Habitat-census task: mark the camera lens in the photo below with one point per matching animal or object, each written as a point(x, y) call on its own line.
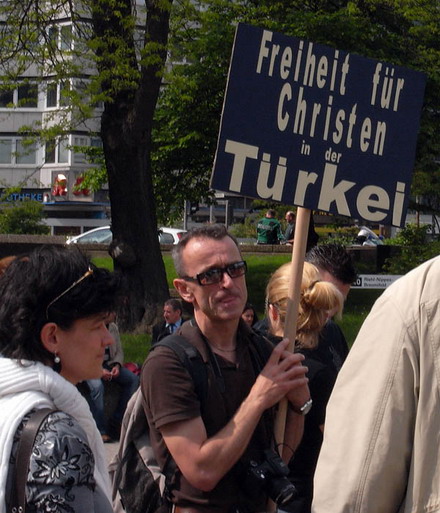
point(281, 490)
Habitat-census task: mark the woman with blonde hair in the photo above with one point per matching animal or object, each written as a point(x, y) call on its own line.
point(319, 301)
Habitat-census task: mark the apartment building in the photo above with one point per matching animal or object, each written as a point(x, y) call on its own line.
point(51, 172)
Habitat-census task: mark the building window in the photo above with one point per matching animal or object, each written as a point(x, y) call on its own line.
point(51, 95)
point(52, 35)
point(63, 151)
point(49, 154)
point(66, 37)
point(64, 93)
point(26, 153)
point(58, 95)
point(96, 142)
point(27, 95)
point(5, 151)
point(78, 156)
point(6, 98)
point(57, 151)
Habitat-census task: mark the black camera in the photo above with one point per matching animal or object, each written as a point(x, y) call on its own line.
point(271, 474)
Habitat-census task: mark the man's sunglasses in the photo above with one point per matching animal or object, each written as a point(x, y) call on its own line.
point(216, 275)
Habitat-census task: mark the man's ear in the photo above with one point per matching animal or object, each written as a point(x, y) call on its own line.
point(48, 336)
point(181, 286)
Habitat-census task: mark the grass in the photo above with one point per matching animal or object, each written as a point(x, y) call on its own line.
point(260, 267)
point(357, 307)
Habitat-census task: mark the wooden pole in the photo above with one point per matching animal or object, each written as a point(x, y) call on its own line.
point(294, 292)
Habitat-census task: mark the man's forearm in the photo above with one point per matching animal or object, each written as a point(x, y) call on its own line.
point(205, 461)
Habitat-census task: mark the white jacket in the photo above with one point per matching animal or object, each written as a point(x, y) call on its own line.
point(381, 450)
point(34, 385)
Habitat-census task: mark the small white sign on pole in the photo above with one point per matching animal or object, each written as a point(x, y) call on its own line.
point(374, 281)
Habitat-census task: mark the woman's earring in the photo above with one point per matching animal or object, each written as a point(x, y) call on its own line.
point(56, 363)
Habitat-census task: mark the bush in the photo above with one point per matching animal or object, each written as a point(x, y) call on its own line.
point(415, 249)
point(23, 218)
point(247, 229)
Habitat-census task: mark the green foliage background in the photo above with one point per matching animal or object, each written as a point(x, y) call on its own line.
point(405, 32)
point(22, 218)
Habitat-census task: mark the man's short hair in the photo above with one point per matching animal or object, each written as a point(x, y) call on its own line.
point(175, 304)
point(290, 213)
point(271, 213)
point(207, 231)
point(334, 259)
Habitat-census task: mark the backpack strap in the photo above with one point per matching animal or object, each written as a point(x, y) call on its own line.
point(22, 460)
point(260, 351)
point(192, 360)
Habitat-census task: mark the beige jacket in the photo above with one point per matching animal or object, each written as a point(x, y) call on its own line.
point(381, 450)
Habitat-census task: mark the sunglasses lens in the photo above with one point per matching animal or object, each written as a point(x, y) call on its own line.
point(210, 277)
point(236, 270)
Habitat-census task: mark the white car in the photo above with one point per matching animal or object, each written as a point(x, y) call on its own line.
point(103, 235)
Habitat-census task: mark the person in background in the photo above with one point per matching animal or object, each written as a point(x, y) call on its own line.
point(249, 314)
point(289, 233)
point(269, 229)
point(380, 452)
point(211, 447)
point(317, 298)
point(112, 370)
point(5, 261)
point(172, 314)
point(54, 312)
point(335, 266)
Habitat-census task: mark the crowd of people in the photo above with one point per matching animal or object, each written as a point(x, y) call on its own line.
point(360, 427)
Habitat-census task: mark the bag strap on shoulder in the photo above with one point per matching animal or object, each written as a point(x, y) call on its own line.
point(22, 462)
point(192, 360)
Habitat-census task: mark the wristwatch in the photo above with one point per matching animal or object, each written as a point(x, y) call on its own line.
point(304, 409)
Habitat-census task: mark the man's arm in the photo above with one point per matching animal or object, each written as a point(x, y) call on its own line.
point(280, 234)
point(204, 461)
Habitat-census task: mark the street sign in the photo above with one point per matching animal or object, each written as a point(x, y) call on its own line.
point(316, 127)
point(374, 281)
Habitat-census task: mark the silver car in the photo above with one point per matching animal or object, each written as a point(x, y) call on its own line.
point(103, 235)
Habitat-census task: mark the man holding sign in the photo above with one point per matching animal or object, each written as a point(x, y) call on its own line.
point(322, 129)
point(222, 443)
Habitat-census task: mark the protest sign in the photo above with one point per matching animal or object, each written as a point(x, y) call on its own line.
point(308, 125)
point(316, 127)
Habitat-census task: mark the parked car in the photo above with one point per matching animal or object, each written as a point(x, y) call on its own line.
point(103, 235)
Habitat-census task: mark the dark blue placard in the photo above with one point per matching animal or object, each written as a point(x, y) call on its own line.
point(312, 126)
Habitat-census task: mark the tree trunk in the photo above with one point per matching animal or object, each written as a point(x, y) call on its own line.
point(126, 134)
point(134, 228)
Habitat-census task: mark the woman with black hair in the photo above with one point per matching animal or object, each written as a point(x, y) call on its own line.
point(54, 311)
point(249, 315)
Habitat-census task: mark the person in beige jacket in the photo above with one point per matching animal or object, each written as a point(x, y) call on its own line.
point(381, 449)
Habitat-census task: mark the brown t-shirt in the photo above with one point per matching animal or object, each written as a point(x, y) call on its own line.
point(169, 396)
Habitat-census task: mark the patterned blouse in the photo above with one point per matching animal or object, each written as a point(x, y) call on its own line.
point(60, 478)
